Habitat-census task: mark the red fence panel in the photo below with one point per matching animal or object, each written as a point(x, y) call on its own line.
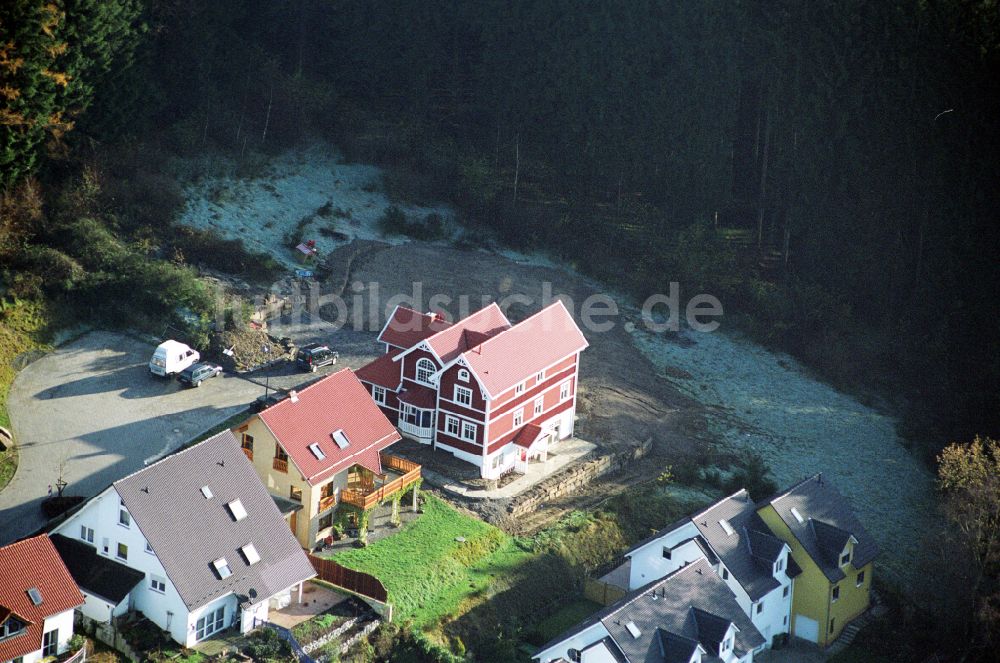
point(349, 579)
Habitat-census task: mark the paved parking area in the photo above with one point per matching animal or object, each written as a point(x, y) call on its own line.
point(92, 407)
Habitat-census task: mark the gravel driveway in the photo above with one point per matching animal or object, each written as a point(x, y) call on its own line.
point(93, 406)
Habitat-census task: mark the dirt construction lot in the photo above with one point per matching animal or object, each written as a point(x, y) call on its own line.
point(93, 407)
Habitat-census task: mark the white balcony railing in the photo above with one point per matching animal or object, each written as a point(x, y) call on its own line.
point(421, 433)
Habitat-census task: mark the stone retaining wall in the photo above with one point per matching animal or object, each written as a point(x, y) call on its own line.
point(573, 478)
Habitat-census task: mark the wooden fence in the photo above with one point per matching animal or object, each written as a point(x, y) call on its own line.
point(349, 579)
point(410, 472)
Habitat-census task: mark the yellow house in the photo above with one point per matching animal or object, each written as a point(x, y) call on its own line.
point(833, 550)
point(321, 447)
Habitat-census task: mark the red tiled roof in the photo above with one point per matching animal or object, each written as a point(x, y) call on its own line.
point(407, 327)
point(424, 398)
point(383, 371)
point(337, 402)
point(468, 333)
point(528, 347)
point(370, 460)
point(33, 563)
point(527, 435)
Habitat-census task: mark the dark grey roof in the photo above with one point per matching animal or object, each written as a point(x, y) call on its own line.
point(95, 574)
point(693, 585)
point(830, 540)
point(188, 532)
point(817, 499)
point(736, 549)
point(793, 570)
point(675, 648)
point(710, 629)
point(285, 505)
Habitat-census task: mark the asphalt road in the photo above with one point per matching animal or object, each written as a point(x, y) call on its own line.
point(93, 407)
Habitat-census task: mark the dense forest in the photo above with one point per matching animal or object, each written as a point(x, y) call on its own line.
point(827, 169)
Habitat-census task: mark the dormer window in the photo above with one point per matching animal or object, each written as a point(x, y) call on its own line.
point(726, 645)
point(845, 558)
point(463, 375)
point(425, 369)
point(11, 627)
point(779, 565)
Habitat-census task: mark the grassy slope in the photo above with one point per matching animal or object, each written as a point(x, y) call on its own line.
point(427, 572)
point(22, 328)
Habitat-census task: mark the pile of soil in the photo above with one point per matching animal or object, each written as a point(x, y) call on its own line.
point(248, 349)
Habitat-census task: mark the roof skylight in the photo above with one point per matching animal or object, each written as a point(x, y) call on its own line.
point(340, 438)
point(237, 510)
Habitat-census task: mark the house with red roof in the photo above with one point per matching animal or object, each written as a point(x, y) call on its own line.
point(494, 394)
point(322, 446)
point(37, 599)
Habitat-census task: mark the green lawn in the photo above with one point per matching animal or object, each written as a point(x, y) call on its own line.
point(429, 574)
point(22, 327)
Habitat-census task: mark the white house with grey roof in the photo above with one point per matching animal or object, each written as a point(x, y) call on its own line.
point(689, 616)
point(737, 545)
point(208, 540)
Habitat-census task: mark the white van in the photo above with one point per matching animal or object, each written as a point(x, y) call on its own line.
point(171, 357)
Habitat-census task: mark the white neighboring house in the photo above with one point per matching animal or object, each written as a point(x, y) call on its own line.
point(689, 616)
point(735, 541)
point(205, 544)
point(37, 599)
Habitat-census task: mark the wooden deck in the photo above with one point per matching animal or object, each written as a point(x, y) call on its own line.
point(408, 472)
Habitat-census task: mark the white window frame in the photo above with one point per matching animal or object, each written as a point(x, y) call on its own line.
point(564, 391)
point(463, 375)
point(518, 417)
point(540, 376)
point(421, 367)
point(468, 426)
point(448, 422)
point(158, 584)
point(463, 396)
point(519, 388)
point(539, 405)
point(124, 519)
point(118, 551)
point(378, 394)
point(210, 623)
point(87, 533)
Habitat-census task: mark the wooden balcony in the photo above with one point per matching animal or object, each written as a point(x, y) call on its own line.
point(248, 452)
point(280, 465)
point(399, 475)
point(327, 502)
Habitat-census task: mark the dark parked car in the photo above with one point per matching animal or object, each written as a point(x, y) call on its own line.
point(312, 357)
point(193, 376)
point(263, 402)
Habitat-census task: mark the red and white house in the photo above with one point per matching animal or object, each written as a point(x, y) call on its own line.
point(494, 394)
